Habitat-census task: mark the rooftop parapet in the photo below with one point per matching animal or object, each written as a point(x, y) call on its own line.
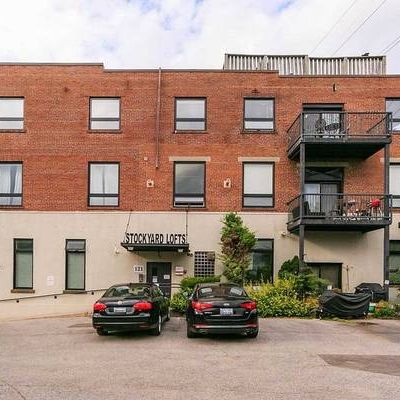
point(305, 65)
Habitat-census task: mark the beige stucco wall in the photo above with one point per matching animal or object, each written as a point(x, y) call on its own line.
point(108, 263)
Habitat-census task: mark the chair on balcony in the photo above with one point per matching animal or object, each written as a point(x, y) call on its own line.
point(375, 210)
point(329, 127)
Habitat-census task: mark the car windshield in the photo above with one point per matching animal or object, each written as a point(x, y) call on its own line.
point(220, 291)
point(126, 291)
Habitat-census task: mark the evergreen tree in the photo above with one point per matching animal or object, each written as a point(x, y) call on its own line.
point(237, 242)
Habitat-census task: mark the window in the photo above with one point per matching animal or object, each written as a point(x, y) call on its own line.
point(11, 113)
point(104, 113)
point(104, 184)
point(23, 263)
point(394, 262)
point(10, 184)
point(75, 264)
point(262, 261)
point(394, 183)
point(204, 263)
point(331, 272)
point(258, 114)
point(393, 106)
point(258, 184)
point(190, 114)
point(189, 183)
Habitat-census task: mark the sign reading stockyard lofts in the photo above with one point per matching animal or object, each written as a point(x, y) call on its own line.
point(140, 241)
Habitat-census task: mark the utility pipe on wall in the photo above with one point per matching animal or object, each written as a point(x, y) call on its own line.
point(158, 119)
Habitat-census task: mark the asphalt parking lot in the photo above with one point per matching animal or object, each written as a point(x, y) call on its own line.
point(63, 358)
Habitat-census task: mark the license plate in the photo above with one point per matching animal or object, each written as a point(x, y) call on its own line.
point(120, 309)
point(226, 311)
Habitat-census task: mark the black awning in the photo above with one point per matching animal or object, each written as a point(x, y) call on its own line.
point(135, 247)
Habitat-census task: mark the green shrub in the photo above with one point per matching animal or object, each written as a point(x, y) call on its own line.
point(305, 281)
point(385, 310)
point(290, 267)
point(190, 282)
point(179, 299)
point(281, 299)
point(394, 278)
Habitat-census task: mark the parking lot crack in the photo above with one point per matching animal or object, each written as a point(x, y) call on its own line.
point(13, 388)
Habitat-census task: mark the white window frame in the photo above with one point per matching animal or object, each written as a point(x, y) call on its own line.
point(105, 119)
point(253, 195)
point(4, 118)
point(103, 195)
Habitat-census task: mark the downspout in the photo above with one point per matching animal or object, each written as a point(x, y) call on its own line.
point(158, 119)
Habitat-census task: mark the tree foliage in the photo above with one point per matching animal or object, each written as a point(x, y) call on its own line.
point(237, 242)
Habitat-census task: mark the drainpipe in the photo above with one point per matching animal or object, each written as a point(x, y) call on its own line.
point(158, 119)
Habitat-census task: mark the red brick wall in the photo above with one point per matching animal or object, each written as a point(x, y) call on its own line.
point(57, 146)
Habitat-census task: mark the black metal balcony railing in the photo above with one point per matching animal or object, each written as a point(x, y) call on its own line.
point(340, 208)
point(338, 127)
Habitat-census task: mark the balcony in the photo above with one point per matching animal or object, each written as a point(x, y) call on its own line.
point(333, 134)
point(339, 212)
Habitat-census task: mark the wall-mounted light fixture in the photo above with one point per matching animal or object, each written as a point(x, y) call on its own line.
point(227, 183)
point(149, 183)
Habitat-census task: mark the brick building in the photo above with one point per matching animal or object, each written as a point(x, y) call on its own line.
point(124, 175)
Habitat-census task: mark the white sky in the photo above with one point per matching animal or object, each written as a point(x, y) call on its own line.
point(190, 33)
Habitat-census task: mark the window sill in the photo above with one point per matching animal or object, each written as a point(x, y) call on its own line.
point(190, 132)
point(258, 209)
point(259, 131)
point(12, 130)
point(74, 291)
point(103, 207)
point(105, 131)
point(183, 208)
point(4, 207)
point(22, 291)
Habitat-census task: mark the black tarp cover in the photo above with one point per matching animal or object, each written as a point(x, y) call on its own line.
point(375, 289)
point(344, 304)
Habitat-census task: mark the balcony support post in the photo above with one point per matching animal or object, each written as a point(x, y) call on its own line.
point(386, 214)
point(302, 182)
point(301, 244)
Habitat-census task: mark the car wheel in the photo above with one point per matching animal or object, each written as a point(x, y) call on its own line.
point(253, 335)
point(168, 317)
point(157, 330)
point(101, 332)
point(189, 333)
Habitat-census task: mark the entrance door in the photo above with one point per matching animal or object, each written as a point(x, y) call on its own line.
point(160, 273)
point(322, 184)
